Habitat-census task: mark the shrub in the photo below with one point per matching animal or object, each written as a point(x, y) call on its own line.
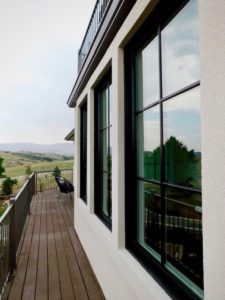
point(56, 172)
point(28, 170)
point(8, 184)
point(2, 170)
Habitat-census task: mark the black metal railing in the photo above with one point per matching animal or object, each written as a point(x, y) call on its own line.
point(11, 227)
point(13, 219)
point(97, 17)
point(45, 180)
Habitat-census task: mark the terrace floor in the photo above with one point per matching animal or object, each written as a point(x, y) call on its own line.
point(52, 263)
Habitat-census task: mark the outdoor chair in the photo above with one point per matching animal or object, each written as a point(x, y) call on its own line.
point(65, 186)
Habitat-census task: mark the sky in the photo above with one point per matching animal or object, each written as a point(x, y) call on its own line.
point(38, 67)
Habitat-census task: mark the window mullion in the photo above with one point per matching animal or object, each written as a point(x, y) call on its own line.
point(162, 152)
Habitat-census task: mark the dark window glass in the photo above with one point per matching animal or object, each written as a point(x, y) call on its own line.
point(148, 144)
point(183, 224)
point(104, 116)
point(103, 198)
point(83, 154)
point(165, 142)
point(149, 216)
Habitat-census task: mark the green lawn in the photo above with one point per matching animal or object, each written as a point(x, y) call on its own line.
point(38, 166)
point(15, 164)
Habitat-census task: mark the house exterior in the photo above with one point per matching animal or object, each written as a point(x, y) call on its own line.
point(149, 154)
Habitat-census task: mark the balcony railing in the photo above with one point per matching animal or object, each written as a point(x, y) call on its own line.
point(45, 180)
point(11, 228)
point(97, 17)
point(13, 220)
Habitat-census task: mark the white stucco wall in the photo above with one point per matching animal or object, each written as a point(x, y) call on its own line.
point(212, 55)
point(120, 275)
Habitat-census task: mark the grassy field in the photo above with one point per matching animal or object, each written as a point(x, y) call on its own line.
point(38, 166)
point(15, 164)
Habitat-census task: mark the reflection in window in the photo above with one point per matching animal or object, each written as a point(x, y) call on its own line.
point(148, 135)
point(149, 216)
point(83, 154)
point(183, 221)
point(168, 148)
point(180, 50)
point(103, 201)
point(182, 139)
point(147, 66)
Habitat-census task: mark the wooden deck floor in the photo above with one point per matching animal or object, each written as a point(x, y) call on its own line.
point(52, 263)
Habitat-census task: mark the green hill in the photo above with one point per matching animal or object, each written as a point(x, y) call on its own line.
point(15, 163)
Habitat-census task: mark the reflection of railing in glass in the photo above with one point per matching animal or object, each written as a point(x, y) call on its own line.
point(183, 236)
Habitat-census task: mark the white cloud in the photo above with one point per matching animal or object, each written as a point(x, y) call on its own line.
point(188, 101)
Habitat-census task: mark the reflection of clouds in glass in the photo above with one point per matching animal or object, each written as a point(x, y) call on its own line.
point(151, 135)
point(189, 101)
point(150, 69)
point(182, 119)
point(180, 50)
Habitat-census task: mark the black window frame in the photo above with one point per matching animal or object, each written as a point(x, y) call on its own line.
point(159, 18)
point(104, 83)
point(83, 150)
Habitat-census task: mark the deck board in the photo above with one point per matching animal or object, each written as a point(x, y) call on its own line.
point(52, 263)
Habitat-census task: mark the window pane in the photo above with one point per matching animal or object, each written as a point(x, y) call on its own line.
point(83, 166)
point(182, 136)
point(104, 109)
point(148, 144)
point(109, 200)
point(147, 75)
point(184, 232)
point(110, 151)
point(103, 145)
point(180, 57)
point(149, 216)
point(104, 149)
point(106, 194)
point(110, 104)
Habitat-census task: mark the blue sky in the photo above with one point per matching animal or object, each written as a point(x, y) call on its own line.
point(38, 67)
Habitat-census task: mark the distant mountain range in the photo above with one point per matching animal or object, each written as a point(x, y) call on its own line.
point(65, 148)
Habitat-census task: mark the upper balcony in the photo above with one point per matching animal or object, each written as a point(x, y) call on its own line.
point(106, 19)
point(99, 12)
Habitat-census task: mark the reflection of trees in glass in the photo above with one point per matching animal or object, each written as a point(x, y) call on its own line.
point(152, 164)
point(183, 166)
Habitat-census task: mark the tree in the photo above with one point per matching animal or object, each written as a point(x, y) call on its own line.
point(2, 170)
point(28, 170)
point(56, 172)
point(8, 184)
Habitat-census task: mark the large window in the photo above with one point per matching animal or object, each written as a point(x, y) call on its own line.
point(164, 220)
point(103, 150)
point(83, 153)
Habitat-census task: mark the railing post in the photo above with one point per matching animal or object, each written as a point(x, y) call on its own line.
point(35, 174)
point(29, 195)
point(12, 239)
